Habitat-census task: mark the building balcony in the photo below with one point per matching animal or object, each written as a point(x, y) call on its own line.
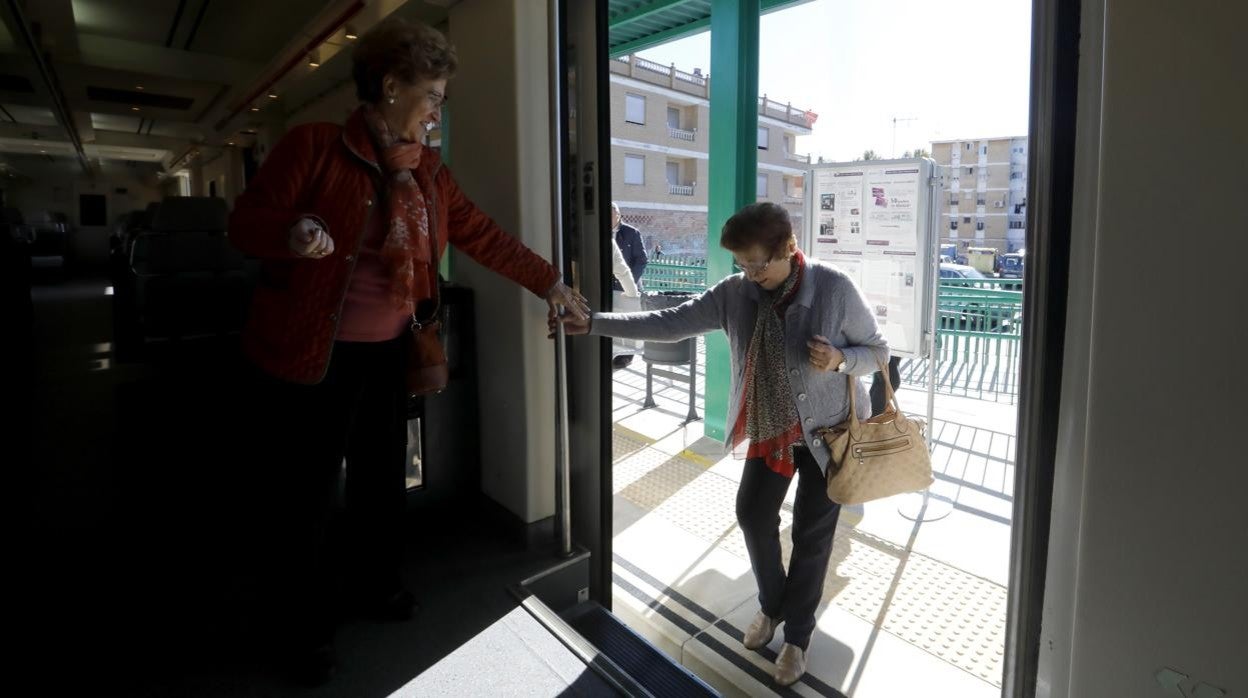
point(699, 85)
point(680, 189)
point(793, 199)
point(802, 118)
point(681, 134)
point(638, 68)
point(795, 157)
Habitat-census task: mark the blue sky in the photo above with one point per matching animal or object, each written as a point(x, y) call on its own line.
point(959, 68)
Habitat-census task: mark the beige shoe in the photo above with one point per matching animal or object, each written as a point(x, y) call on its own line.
point(790, 665)
point(760, 632)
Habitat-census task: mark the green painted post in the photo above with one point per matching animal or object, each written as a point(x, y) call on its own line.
point(447, 266)
point(733, 168)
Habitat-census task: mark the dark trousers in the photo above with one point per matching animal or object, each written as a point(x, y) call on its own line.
point(878, 398)
point(795, 596)
point(303, 433)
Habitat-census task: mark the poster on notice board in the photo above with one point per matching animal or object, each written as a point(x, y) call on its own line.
point(872, 220)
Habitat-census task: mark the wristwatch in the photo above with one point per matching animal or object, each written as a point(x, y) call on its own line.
point(840, 368)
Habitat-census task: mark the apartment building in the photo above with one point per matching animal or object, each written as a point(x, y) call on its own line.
point(984, 194)
point(660, 138)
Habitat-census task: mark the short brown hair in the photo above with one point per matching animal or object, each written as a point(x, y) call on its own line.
point(411, 51)
point(764, 224)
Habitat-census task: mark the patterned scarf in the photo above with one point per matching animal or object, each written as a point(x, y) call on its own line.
point(768, 418)
point(407, 256)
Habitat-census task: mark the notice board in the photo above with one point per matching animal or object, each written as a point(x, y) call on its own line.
point(874, 221)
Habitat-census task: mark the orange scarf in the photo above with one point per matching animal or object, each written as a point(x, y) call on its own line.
point(406, 251)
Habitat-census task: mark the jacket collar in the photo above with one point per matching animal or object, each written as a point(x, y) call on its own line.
point(359, 141)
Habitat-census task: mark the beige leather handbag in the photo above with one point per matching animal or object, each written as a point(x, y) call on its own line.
point(881, 457)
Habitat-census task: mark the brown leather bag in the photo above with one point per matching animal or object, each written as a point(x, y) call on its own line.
point(427, 371)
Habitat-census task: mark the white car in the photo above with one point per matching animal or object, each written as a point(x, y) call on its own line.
point(959, 271)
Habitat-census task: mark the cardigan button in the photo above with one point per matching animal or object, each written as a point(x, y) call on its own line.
point(818, 442)
point(368, 202)
point(810, 420)
point(795, 373)
point(801, 397)
point(333, 317)
point(350, 258)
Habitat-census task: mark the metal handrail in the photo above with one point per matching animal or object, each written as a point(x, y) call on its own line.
point(563, 447)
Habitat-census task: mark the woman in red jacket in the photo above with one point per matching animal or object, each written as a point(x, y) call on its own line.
point(340, 217)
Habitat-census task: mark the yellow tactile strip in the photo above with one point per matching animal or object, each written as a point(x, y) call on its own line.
point(947, 612)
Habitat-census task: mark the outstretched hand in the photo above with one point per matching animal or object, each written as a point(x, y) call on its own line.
point(569, 298)
point(572, 325)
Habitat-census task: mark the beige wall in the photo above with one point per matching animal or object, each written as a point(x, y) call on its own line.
point(999, 177)
point(999, 150)
point(1149, 554)
point(502, 161)
point(654, 131)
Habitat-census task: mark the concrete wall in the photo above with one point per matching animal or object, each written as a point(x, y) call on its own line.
point(1149, 551)
point(502, 161)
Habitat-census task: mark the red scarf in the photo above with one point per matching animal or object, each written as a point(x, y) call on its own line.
point(768, 417)
point(406, 251)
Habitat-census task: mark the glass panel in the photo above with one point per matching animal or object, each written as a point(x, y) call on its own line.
point(634, 169)
point(635, 109)
point(415, 454)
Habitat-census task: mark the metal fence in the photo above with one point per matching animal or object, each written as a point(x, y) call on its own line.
point(979, 325)
point(675, 273)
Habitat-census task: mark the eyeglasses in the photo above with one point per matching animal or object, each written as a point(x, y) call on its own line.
point(436, 99)
point(751, 269)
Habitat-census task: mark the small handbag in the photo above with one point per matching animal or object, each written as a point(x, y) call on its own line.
point(881, 457)
point(427, 370)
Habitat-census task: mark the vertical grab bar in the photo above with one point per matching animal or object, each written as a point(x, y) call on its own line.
point(563, 449)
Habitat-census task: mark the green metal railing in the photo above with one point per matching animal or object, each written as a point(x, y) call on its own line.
point(675, 273)
point(978, 328)
point(979, 325)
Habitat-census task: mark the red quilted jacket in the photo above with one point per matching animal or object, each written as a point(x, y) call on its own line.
point(323, 170)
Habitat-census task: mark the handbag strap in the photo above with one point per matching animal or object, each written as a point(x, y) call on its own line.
point(890, 397)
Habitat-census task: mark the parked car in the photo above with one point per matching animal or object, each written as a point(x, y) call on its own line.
point(1011, 265)
point(970, 313)
point(959, 271)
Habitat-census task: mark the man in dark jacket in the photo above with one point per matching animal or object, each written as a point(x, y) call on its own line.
point(629, 240)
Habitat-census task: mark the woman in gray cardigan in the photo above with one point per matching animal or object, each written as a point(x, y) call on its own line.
point(796, 326)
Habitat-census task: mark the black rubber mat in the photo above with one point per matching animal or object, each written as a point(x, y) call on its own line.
point(642, 661)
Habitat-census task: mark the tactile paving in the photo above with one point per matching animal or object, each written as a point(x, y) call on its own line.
point(947, 612)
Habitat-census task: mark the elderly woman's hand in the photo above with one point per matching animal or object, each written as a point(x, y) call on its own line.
point(824, 356)
point(309, 239)
point(569, 298)
point(572, 325)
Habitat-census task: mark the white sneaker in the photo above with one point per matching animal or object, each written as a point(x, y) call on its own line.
point(760, 632)
point(790, 665)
